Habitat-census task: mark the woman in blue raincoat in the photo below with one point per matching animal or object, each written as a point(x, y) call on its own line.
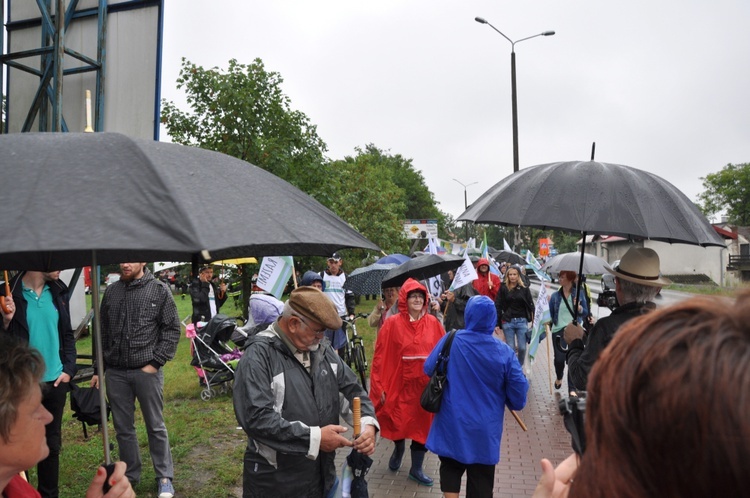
point(484, 376)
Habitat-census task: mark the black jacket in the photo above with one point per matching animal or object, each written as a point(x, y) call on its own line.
point(199, 294)
point(454, 312)
point(19, 327)
point(581, 358)
point(516, 303)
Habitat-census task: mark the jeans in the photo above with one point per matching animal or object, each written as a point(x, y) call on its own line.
point(48, 469)
point(123, 388)
point(515, 332)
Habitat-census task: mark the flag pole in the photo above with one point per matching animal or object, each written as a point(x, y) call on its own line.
point(549, 354)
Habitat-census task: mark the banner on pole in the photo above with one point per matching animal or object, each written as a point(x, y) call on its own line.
point(274, 274)
point(541, 316)
point(465, 274)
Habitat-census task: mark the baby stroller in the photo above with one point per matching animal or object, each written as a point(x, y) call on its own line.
point(212, 357)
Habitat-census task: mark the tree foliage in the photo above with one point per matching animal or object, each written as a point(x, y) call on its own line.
point(243, 112)
point(728, 189)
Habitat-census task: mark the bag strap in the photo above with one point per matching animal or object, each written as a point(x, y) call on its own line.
point(445, 353)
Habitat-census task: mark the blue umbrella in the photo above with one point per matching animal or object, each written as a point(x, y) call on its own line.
point(393, 259)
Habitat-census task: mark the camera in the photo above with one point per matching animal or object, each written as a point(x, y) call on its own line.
point(573, 410)
point(607, 298)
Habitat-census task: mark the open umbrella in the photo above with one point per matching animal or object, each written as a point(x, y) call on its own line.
point(594, 198)
point(509, 257)
point(81, 199)
point(393, 258)
point(571, 261)
point(420, 268)
point(365, 281)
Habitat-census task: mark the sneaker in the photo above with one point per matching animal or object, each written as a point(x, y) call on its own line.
point(166, 490)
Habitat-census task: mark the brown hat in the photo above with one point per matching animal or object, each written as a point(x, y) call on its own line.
point(640, 265)
point(311, 303)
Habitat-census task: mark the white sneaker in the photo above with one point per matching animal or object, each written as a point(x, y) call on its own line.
point(166, 490)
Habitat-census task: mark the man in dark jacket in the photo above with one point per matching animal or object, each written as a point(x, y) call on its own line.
point(637, 281)
point(206, 295)
point(286, 398)
point(40, 316)
point(140, 332)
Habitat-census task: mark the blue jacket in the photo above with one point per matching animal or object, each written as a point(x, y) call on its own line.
point(555, 301)
point(483, 377)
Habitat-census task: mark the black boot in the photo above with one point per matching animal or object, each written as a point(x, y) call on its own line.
point(416, 473)
point(398, 454)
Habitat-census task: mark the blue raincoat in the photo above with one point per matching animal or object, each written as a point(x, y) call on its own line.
point(483, 377)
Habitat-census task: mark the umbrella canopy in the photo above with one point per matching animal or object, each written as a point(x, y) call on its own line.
point(510, 257)
point(236, 261)
point(420, 268)
point(366, 280)
point(570, 261)
point(595, 198)
point(140, 200)
point(393, 258)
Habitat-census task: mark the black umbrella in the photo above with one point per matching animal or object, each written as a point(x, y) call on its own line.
point(509, 257)
point(420, 268)
point(366, 280)
point(140, 200)
point(596, 198)
point(78, 199)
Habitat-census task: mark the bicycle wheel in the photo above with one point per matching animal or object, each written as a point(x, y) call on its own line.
point(360, 364)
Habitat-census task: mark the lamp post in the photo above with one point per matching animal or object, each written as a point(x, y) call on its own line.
point(513, 96)
point(466, 205)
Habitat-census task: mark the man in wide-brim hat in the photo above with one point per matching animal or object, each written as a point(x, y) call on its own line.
point(637, 281)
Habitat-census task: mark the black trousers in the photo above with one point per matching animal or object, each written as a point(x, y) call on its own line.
point(48, 470)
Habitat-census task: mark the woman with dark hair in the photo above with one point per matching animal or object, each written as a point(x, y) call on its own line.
point(404, 342)
point(561, 312)
point(515, 310)
point(668, 410)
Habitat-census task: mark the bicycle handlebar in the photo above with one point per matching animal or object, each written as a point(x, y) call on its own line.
point(359, 315)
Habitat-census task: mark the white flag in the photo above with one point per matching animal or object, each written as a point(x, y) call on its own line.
point(434, 284)
point(506, 247)
point(541, 316)
point(274, 274)
point(465, 274)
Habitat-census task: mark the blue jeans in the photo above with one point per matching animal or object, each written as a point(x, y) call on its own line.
point(515, 336)
point(123, 388)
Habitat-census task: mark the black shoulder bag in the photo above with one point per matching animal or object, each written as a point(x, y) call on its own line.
point(432, 396)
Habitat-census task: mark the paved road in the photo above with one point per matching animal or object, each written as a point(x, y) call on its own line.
point(517, 473)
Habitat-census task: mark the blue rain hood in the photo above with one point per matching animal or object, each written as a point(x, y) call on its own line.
point(480, 315)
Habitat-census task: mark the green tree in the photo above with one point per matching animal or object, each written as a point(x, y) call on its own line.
point(243, 112)
point(729, 190)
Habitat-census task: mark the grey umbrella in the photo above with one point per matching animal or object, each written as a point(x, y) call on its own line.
point(140, 200)
point(77, 199)
point(420, 268)
point(509, 257)
point(571, 261)
point(366, 280)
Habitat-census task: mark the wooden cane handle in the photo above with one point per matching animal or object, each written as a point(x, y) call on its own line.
point(3, 306)
point(357, 417)
point(7, 293)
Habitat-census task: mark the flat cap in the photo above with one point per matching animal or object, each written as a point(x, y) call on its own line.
point(311, 303)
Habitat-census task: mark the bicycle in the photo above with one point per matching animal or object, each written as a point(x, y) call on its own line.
point(353, 353)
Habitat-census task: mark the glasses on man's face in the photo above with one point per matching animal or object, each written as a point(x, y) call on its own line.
point(316, 332)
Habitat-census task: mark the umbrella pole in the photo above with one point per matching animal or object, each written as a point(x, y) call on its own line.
point(548, 330)
point(518, 419)
point(356, 417)
point(576, 298)
point(99, 352)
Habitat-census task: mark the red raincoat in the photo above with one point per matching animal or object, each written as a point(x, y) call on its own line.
point(486, 284)
point(397, 370)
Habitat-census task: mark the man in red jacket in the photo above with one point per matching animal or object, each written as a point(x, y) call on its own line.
point(487, 283)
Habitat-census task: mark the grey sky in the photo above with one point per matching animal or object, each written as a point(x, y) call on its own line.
point(660, 86)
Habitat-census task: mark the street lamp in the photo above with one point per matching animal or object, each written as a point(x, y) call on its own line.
point(513, 82)
point(466, 205)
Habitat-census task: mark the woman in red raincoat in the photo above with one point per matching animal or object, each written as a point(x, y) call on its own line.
point(404, 342)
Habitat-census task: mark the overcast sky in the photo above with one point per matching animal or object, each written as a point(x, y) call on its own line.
point(658, 85)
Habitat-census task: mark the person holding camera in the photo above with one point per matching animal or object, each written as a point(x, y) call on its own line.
point(207, 296)
point(637, 281)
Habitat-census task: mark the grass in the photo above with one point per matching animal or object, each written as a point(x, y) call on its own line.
point(207, 448)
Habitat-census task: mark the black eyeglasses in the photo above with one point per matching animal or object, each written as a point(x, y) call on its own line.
point(316, 332)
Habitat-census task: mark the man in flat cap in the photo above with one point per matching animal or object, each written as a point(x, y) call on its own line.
point(286, 398)
point(637, 281)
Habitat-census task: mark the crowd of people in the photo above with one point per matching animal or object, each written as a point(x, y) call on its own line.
point(292, 386)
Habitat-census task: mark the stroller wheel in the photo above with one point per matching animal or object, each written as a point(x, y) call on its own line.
point(206, 394)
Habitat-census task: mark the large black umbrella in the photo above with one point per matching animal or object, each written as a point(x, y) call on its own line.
point(139, 200)
point(365, 281)
point(84, 199)
point(596, 198)
point(420, 268)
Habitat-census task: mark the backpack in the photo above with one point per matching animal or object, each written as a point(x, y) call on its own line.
point(85, 403)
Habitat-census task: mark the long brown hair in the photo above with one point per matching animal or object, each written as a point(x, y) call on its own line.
point(668, 410)
point(519, 282)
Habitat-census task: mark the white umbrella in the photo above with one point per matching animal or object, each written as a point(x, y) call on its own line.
point(571, 261)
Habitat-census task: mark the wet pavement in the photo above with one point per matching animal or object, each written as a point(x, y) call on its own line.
point(517, 473)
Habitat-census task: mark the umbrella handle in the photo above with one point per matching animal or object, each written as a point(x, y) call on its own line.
point(7, 293)
point(356, 416)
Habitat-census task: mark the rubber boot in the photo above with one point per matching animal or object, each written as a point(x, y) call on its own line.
point(398, 454)
point(416, 473)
